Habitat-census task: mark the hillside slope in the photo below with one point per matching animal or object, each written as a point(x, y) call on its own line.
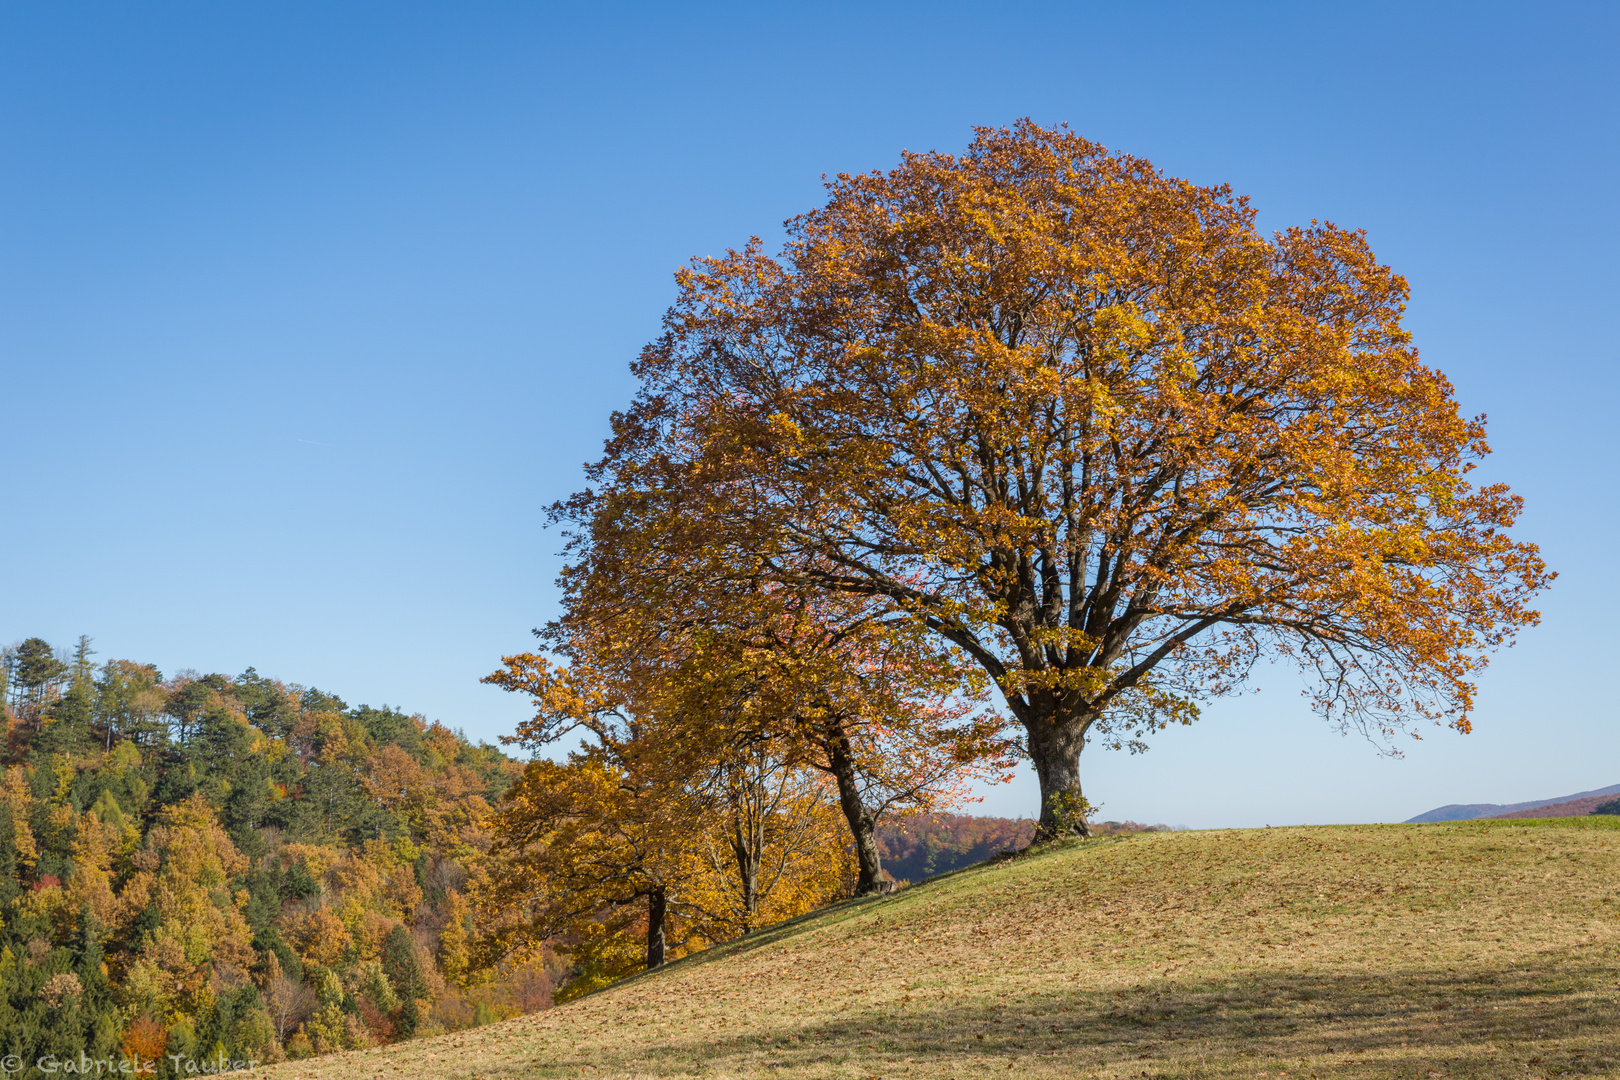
point(1469, 949)
point(1568, 808)
point(1470, 811)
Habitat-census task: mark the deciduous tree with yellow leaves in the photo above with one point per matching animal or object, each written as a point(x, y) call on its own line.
point(1088, 425)
point(717, 676)
point(641, 832)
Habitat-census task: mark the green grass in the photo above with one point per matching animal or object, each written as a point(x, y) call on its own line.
point(1472, 949)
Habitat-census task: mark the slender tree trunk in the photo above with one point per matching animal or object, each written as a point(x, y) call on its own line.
point(747, 841)
point(1055, 743)
point(748, 871)
point(657, 908)
point(862, 822)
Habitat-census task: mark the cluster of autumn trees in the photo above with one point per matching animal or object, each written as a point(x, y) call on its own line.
point(1033, 427)
point(732, 755)
point(234, 868)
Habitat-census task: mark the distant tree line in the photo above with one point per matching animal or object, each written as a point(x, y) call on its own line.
point(916, 847)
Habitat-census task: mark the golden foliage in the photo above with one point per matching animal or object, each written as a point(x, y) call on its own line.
point(621, 860)
point(1089, 426)
point(323, 939)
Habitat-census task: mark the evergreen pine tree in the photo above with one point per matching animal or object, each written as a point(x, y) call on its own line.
point(405, 974)
point(83, 673)
point(36, 677)
point(66, 727)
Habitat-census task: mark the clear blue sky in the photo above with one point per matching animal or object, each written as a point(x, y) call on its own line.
point(307, 311)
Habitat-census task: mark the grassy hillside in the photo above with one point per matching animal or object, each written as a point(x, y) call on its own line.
point(1456, 950)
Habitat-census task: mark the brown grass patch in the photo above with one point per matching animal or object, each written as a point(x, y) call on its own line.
point(1465, 949)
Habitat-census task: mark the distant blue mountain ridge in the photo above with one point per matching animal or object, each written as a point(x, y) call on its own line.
point(1469, 811)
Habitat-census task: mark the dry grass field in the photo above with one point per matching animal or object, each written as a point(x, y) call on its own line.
point(1470, 949)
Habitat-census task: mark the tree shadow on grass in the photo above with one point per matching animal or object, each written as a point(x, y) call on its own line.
point(1553, 1019)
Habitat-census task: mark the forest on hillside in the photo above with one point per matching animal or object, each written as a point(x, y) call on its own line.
point(235, 868)
point(206, 868)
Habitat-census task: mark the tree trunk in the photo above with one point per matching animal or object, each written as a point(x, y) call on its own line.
point(747, 800)
point(748, 857)
point(657, 908)
point(862, 822)
point(1054, 747)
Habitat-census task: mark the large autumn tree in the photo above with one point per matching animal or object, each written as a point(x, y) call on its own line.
point(1089, 425)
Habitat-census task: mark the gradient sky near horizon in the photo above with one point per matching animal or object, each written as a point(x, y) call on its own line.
point(307, 311)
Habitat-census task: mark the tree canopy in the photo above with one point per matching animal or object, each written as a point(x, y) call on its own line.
point(1089, 426)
